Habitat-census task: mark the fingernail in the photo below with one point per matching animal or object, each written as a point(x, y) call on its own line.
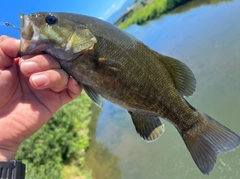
point(29, 67)
point(40, 80)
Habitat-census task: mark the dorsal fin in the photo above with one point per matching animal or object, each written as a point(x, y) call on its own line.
point(183, 77)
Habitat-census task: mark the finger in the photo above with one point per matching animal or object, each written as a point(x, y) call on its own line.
point(73, 91)
point(9, 48)
point(56, 80)
point(74, 88)
point(33, 64)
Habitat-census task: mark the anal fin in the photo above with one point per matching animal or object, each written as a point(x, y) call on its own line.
point(148, 126)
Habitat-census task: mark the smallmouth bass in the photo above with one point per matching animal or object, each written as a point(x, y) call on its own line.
point(116, 66)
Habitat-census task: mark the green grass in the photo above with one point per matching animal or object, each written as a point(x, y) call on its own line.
point(145, 13)
point(150, 11)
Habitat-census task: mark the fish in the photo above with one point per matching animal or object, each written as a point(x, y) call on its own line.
point(112, 64)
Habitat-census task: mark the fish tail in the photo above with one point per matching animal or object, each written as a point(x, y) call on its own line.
point(207, 140)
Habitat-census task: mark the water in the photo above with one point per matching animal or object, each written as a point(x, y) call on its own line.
point(207, 39)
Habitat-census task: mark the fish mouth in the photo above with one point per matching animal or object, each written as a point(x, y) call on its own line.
point(29, 33)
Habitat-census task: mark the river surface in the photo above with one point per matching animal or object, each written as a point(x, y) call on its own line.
point(207, 38)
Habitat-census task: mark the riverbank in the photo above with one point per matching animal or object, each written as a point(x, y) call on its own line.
point(145, 10)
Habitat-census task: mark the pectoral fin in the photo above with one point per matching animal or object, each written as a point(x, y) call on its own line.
point(110, 64)
point(97, 98)
point(148, 126)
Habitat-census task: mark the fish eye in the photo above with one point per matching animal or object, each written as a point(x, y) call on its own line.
point(51, 20)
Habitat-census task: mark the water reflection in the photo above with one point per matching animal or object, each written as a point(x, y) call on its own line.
point(207, 40)
point(100, 159)
point(196, 4)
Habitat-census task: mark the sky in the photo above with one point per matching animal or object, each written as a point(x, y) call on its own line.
point(10, 10)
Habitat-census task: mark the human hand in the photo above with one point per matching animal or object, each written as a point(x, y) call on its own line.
point(32, 89)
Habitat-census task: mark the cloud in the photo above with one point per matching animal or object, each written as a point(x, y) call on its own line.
point(112, 8)
point(110, 11)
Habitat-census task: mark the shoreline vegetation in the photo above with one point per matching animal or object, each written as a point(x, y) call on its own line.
point(58, 149)
point(143, 11)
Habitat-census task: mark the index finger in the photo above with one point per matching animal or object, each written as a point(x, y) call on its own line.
point(9, 48)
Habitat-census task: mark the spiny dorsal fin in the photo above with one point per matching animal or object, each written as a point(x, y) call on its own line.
point(148, 126)
point(183, 77)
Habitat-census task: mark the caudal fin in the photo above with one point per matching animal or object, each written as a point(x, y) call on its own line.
point(204, 146)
